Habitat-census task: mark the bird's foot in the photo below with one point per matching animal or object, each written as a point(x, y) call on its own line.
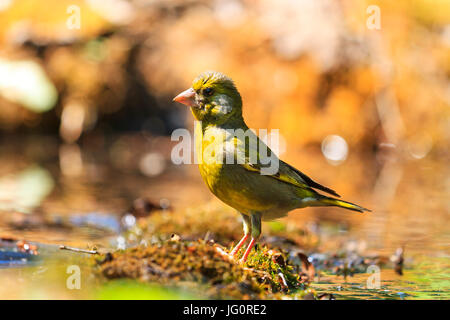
point(233, 253)
point(235, 257)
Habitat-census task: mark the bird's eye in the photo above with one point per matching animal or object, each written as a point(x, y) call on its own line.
point(208, 91)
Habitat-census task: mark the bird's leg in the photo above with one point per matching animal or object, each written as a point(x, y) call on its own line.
point(256, 232)
point(247, 251)
point(247, 227)
point(239, 245)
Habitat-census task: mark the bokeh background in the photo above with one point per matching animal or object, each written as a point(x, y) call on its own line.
point(86, 109)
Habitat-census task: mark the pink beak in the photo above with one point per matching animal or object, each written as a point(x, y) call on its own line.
point(187, 98)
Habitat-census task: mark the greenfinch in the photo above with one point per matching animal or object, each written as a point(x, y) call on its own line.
point(235, 171)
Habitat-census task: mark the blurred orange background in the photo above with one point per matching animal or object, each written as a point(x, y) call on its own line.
point(86, 93)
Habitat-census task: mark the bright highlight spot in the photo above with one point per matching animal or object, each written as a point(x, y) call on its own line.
point(4, 4)
point(115, 11)
point(25, 190)
point(335, 149)
point(152, 164)
point(230, 13)
point(26, 83)
point(420, 145)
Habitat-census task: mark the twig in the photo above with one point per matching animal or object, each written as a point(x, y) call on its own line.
point(223, 253)
point(283, 281)
point(62, 247)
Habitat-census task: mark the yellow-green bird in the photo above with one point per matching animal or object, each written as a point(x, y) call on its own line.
point(235, 170)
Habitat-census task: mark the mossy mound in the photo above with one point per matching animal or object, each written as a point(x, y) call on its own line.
point(203, 267)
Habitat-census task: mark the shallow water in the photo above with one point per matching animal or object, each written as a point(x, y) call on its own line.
point(84, 207)
point(425, 279)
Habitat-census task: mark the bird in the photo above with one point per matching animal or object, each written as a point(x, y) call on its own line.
point(231, 173)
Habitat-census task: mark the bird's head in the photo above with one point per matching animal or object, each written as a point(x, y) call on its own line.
point(213, 98)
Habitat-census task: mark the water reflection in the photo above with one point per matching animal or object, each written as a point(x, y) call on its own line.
point(86, 195)
point(24, 191)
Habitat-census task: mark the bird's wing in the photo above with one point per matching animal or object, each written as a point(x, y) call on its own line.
point(300, 176)
point(249, 157)
point(289, 174)
point(285, 173)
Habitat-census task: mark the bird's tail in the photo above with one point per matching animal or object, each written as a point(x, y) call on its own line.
point(327, 201)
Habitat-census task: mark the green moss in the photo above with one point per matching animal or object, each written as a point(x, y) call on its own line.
point(200, 267)
point(275, 264)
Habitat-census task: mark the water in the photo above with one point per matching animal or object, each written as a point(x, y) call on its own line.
point(426, 278)
point(49, 203)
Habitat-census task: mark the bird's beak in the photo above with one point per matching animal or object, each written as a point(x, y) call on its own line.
point(187, 98)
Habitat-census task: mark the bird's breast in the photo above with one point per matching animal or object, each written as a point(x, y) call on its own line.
point(239, 188)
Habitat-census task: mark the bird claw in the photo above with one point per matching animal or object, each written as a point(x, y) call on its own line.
point(234, 257)
point(230, 256)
